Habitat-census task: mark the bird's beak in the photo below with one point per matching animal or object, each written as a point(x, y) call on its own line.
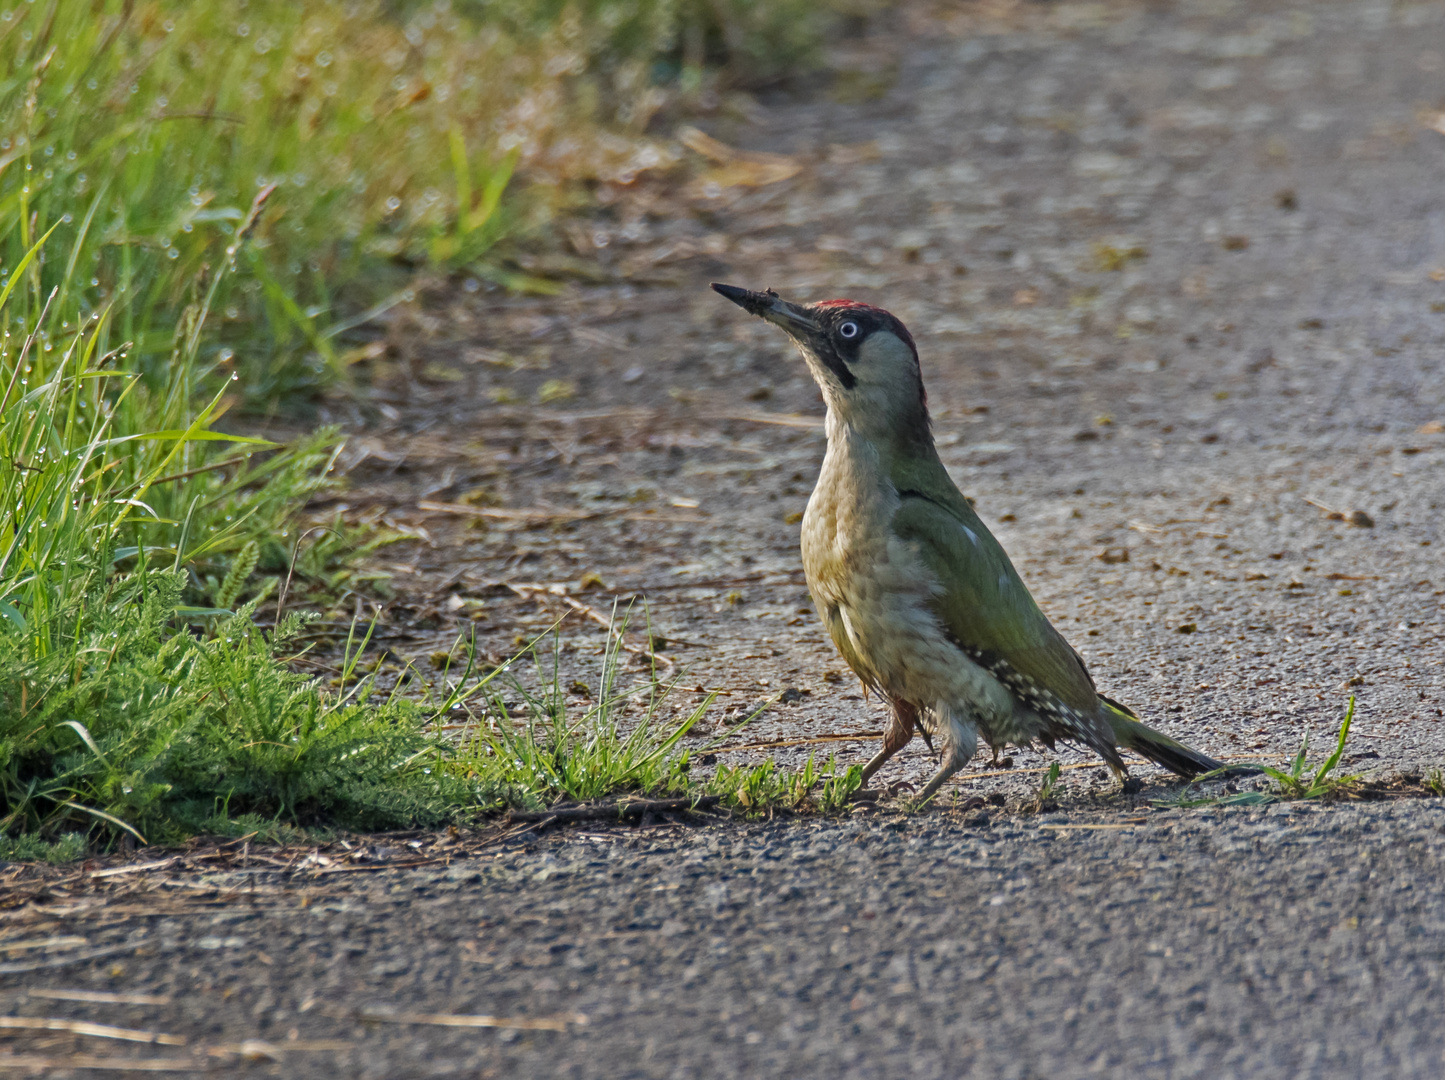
point(793, 318)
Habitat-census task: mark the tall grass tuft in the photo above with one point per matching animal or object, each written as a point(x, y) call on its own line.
point(95, 457)
point(112, 494)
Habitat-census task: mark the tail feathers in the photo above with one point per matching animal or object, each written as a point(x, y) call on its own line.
point(1159, 748)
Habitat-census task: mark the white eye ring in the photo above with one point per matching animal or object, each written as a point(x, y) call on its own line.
point(848, 330)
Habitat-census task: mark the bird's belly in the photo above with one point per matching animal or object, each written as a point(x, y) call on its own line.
point(874, 596)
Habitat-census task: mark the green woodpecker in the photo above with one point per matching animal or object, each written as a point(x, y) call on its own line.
point(916, 593)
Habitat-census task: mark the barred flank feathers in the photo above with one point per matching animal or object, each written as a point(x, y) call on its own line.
point(1061, 721)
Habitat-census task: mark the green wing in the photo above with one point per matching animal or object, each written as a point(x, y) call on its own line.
point(983, 603)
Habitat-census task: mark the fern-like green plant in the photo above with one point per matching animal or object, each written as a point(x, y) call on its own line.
point(134, 726)
point(760, 789)
point(548, 750)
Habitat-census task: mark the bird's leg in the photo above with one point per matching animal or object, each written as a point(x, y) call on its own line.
point(895, 737)
point(918, 726)
point(959, 741)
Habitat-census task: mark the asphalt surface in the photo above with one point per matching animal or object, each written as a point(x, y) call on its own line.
point(1294, 942)
point(1177, 274)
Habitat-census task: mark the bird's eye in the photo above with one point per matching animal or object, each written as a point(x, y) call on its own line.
point(848, 330)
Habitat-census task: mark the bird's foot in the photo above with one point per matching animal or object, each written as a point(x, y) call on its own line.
point(917, 804)
point(873, 795)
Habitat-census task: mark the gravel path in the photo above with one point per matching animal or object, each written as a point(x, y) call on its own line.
point(1178, 280)
point(1177, 273)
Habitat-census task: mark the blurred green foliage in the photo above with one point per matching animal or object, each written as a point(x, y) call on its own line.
point(755, 41)
point(390, 133)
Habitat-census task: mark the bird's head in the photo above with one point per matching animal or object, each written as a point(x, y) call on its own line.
point(862, 358)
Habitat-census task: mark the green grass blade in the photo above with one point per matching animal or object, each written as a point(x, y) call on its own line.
point(17, 272)
point(1334, 759)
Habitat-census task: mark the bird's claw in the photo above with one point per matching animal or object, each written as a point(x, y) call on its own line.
point(872, 795)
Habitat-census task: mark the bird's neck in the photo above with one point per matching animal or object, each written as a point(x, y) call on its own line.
point(863, 455)
point(891, 415)
point(893, 441)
